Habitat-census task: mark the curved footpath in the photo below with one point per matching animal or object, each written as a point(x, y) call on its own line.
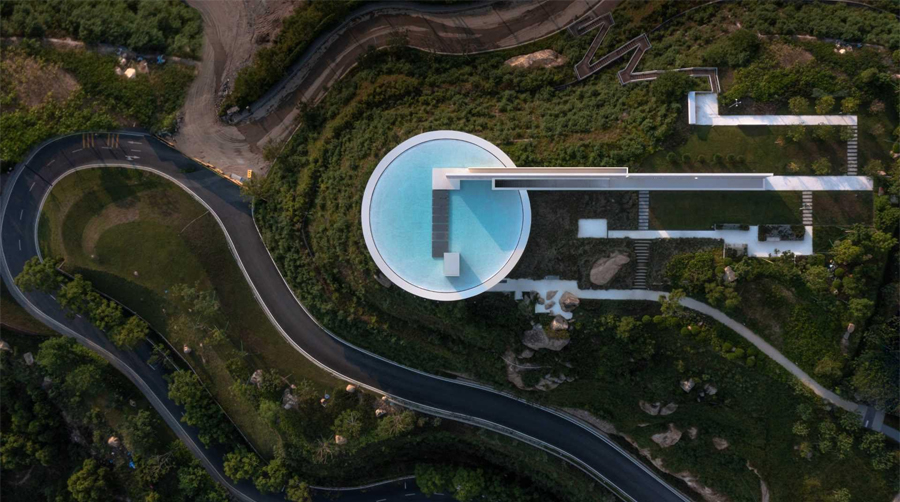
point(444, 29)
point(31, 182)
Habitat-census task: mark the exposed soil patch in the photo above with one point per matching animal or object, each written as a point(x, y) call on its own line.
point(789, 56)
point(111, 216)
point(36, 81)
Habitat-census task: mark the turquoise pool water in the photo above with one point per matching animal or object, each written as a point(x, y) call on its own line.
point(485, 224)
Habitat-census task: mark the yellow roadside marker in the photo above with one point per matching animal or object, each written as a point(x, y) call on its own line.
point(249, 173)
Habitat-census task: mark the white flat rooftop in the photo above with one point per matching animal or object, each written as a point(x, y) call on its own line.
point(703, 109)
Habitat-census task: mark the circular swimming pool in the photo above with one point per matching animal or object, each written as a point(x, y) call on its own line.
point(487, 228)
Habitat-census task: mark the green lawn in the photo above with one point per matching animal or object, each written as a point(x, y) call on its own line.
point(702, 210)
point(135, 236)
point(843, 208)
point(764, 149)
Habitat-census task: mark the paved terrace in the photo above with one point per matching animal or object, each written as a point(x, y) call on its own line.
point(618, 178)
point(703, 109)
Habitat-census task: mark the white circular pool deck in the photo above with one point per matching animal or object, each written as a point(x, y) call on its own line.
point(488, 228)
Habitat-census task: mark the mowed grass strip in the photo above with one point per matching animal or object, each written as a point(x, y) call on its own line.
point(702, 210)
point(760, 146)
point(135, 236)
point(843, 208)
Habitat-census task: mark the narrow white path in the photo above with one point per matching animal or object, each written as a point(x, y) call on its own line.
point(818, 183)
point(518, 286)
point(755, 247)
point(704, 110)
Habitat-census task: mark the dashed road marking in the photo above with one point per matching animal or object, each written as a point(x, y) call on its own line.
point(21, 212)
point(135, 150)
point(20, 244)
point(32, 186)
point(52, 161)
point(410, 495)
point(76, 151)
point(380, 500)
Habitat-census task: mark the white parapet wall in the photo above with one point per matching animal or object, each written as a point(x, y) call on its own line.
point(755, 247)
point(703, 109)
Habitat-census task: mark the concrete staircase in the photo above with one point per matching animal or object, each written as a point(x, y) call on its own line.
point(642, 253)
point(644, 210)
point(642, 247)
point(807, 208)
point(851, 152)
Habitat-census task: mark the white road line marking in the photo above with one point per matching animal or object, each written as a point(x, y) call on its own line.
point(21, 212)
point(78, 316)
point(106, 147)
point(135, 150)
point(51, 296)
point(410, 495)
point(134, 142)
point(32, 186)
point(131, 157)
point(380, 500)
point(20, 244)
point(76, 151)
point(52, 161)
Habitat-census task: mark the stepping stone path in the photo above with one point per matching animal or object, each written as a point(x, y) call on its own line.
point(806, 208)
point(642, 247)
point(851, 152)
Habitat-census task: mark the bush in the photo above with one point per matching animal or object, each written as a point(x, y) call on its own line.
point(735, 50)
point(717, 158)
point(672, 157)
point(839, 272)
point(686, 158)
point(671, 87)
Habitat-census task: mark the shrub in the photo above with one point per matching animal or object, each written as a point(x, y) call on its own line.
point(672, 157)
point(701, 159)
point(839, 272)
point(731, 158)
point(686, 158)
point(822, 167)
point(824, 105)
point(799, 105)
point(717, 158)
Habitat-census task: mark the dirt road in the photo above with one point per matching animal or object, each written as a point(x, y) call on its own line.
point(439, 28)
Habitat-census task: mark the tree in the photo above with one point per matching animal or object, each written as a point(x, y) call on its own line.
point(839, 495)
point(105, 314)
point(874, 168)
point(671, 86)
point(430, 479)
point(241, 464)
point(396, 424)
point(468, 484)
point(734, 50)
point(796, 133)
point(860, 309)
point(298, 491)
point(822, 167)
point(846, 253)
point(348, 424)
point(824, 105)
point(140, 433)
point(850, 104)
point(272, 477)
point(39, 276)
point(130, 334)
point(671, 305)
point(200, 410)
point(74, 295)
point(800, 429)
point(799, 105)
point(817, 279)
point(90, 483)
point(626, 326)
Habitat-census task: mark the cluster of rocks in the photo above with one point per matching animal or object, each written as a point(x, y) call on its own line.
point(655, 409)
point(536, 338)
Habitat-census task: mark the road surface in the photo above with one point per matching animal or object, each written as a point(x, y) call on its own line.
point(31, 182)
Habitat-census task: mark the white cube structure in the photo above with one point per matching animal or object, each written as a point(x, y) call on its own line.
point(451, 264)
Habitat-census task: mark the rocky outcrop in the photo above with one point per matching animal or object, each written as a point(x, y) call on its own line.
point(568, 302)
point(710, 389)
point(551, 294)
point(546, 58)
point(730, 276)
point(605, 269)
point(350, 388)
point(256, 378)
point(668, 409)
point(668, 438)
point(5, 346)
point(536, 339)
point(720, 443)
point(650, 409)
point(559, 323)
point(692, 432)
point(289, 400)
point(708, 494)
point(338, 439)
point(113, 442)
point(687, 385)
point(29, 358)
point(526, 354)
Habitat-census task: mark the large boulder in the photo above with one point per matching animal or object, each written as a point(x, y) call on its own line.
point(720, 443)
point(605, 269)
point(668, 409)
point(257, 378)
point(668, 438)
point(541, 59)
point(289, 400)
point(650, 409)
point(559, 324)
point(568, 302)
point(536, 339)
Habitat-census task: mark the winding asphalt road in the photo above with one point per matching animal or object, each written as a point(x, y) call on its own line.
point(21, 203)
